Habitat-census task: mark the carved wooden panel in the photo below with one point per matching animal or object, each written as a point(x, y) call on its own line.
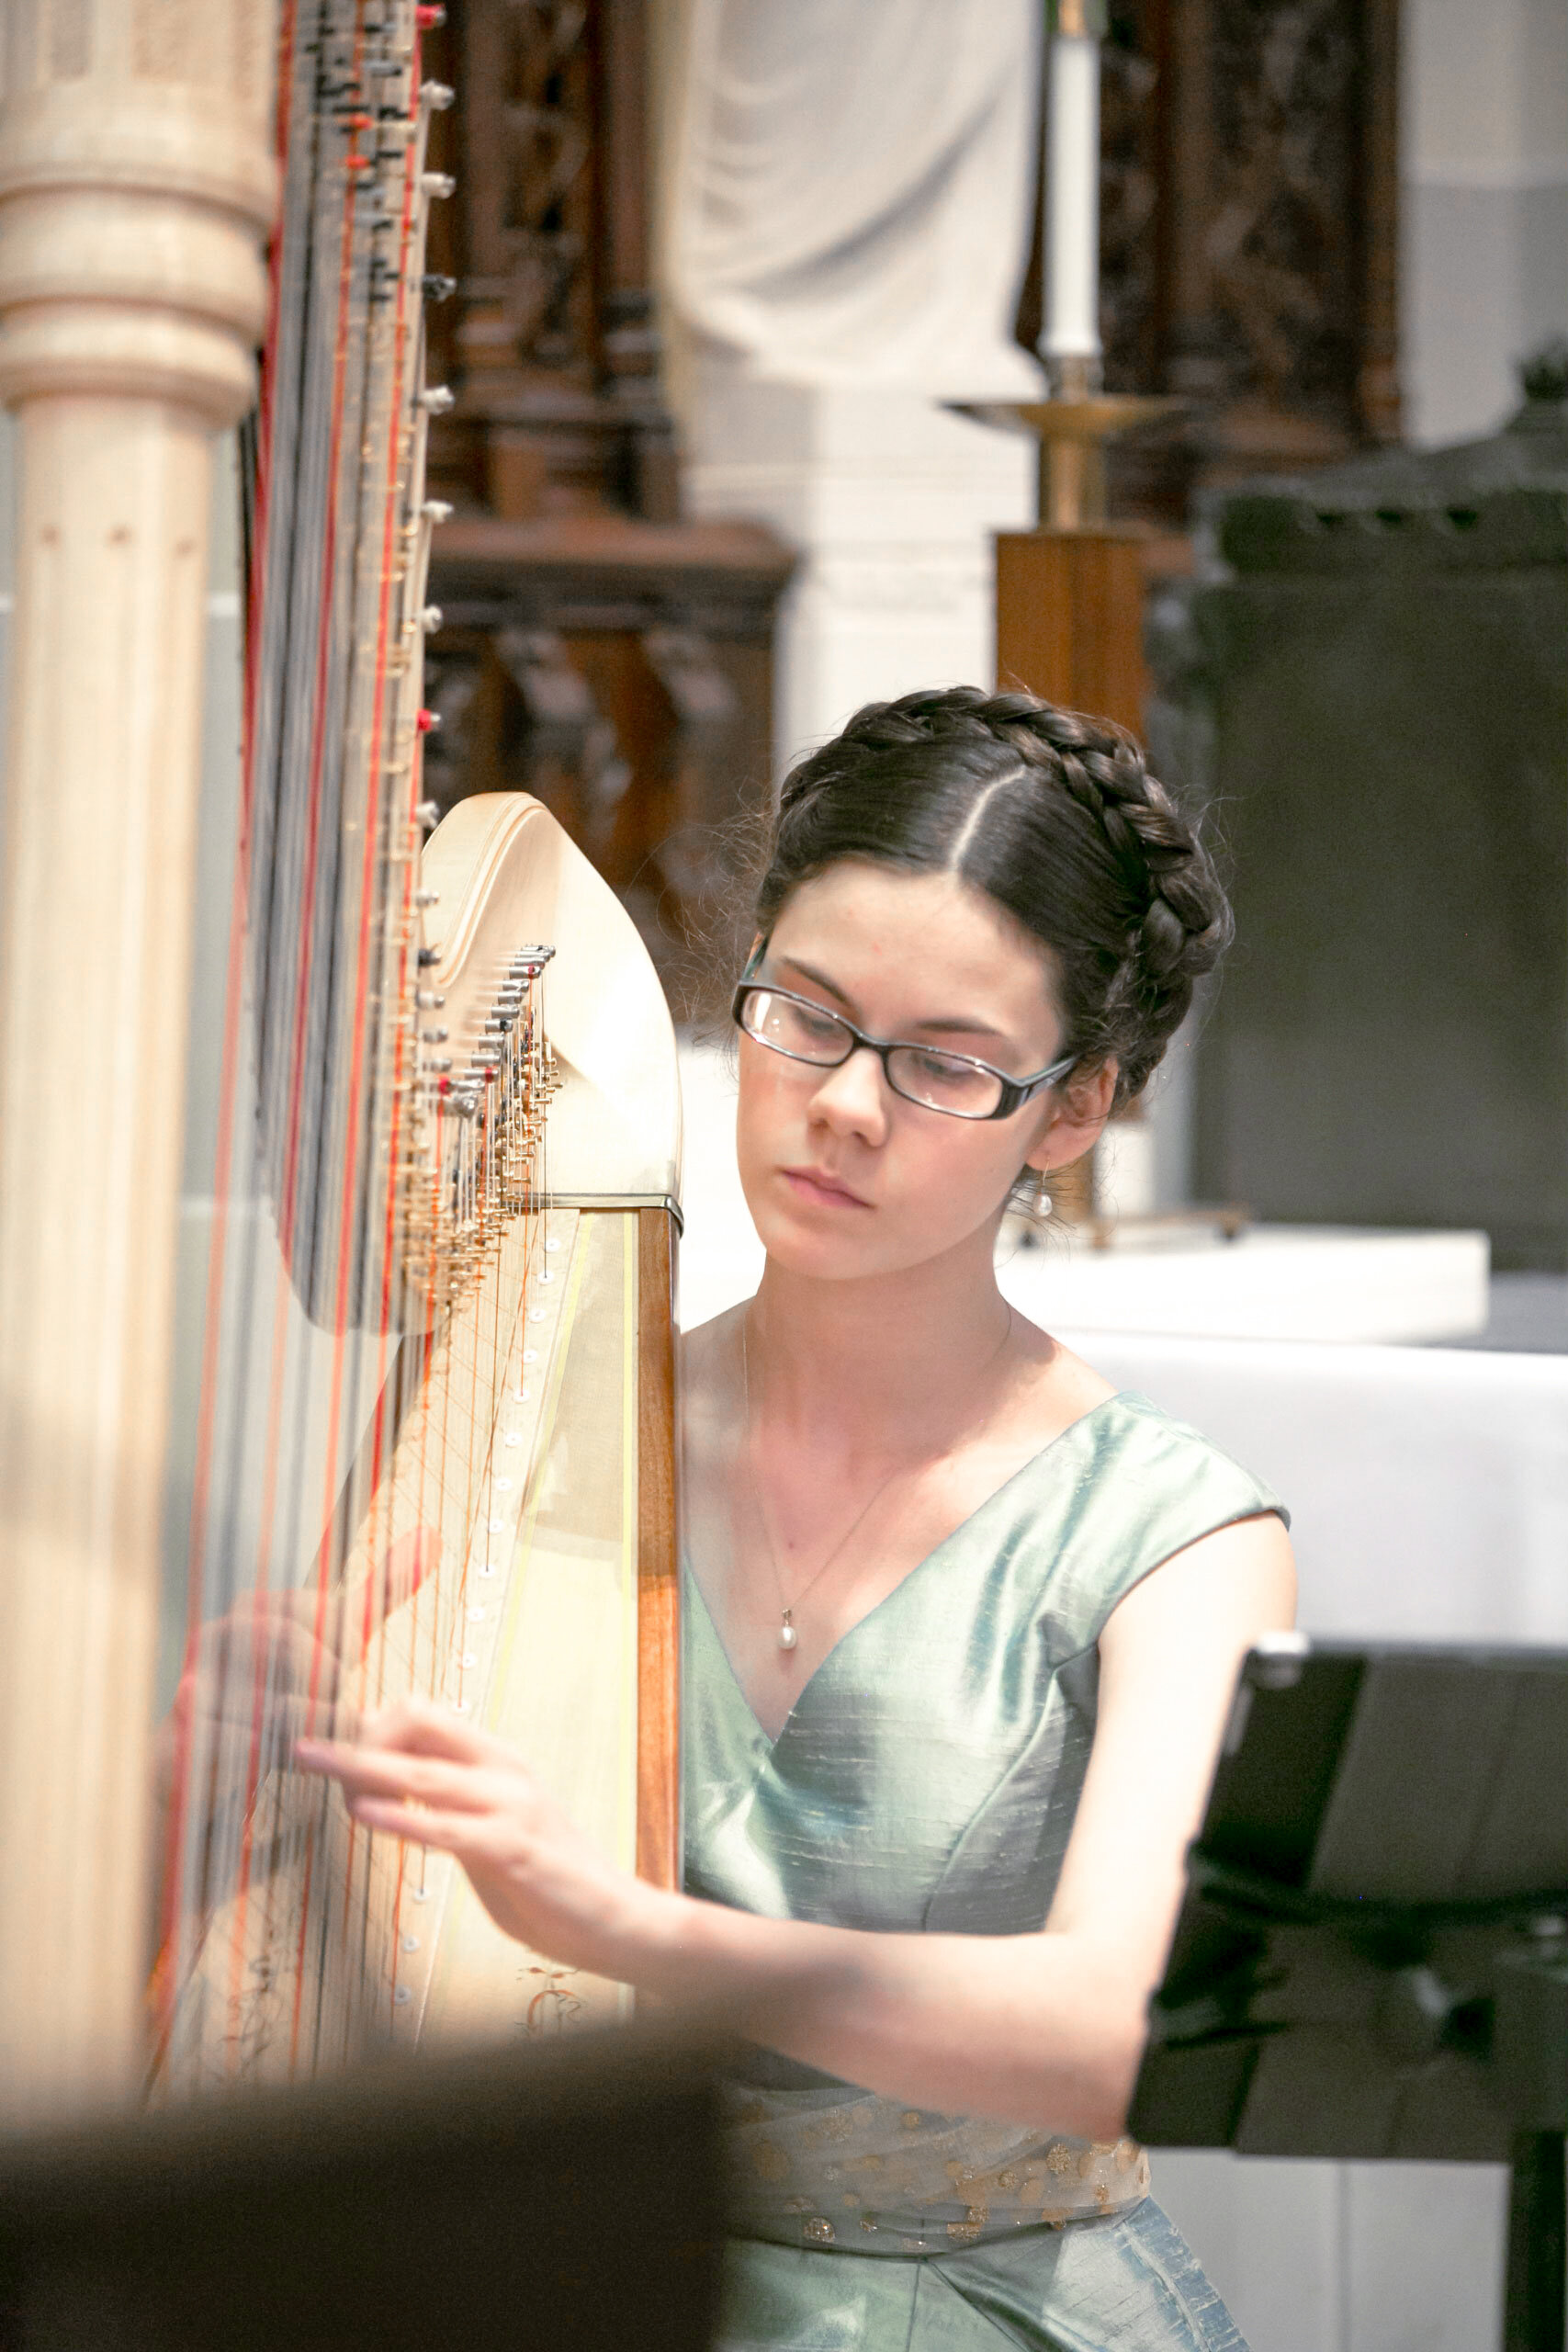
point(527, 167)
point(1130, 89)
point(597, 650)
point(1248, 235)
point(550, 342)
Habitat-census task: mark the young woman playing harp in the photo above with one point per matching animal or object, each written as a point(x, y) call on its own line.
point(963, 1622)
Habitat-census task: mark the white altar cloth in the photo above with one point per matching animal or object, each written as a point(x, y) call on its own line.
point(1429, 1487)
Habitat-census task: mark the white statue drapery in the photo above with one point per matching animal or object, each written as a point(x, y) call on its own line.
point(848, 187)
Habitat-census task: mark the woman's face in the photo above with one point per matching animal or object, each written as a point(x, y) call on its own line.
point(844, 1178)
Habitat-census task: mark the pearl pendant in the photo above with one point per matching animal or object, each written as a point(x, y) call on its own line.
point(787, 1635)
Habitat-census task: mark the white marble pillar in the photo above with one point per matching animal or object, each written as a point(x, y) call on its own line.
point(846, 206)
point(892, 501)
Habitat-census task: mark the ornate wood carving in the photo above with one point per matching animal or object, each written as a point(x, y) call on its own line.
point(1248, 235)
point(552, 339)
point(597, 650)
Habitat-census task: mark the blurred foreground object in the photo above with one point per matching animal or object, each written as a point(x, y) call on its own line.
point(467, 2201)
point(1369, 680)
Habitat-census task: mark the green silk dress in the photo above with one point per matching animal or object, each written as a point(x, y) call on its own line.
point(927, 1778)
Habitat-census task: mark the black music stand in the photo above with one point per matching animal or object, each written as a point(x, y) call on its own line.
point(564, 2199)
point(1371, 1959)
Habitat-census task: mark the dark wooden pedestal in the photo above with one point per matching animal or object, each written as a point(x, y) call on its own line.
point(1070, 629)
point(1070, 617)
point(1070, 613)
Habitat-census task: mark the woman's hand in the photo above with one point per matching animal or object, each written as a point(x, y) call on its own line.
point(278, 1664)
point(418, 1773)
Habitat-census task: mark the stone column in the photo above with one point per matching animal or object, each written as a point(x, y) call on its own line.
point(893, 501)
point(846, 205)
point(136, 183)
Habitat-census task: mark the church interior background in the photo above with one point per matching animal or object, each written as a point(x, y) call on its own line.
point(739, 292)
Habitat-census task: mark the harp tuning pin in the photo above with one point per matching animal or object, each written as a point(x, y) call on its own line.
point(435, 1036)
point(437, 182)
point(430, 620)
point(436, 95)
point(428, 16)
point(436, 287)
point(436, 399)
point(427, 897)
point(427, 814)
point(430, 956)
point(436, 510)
point(429, 999)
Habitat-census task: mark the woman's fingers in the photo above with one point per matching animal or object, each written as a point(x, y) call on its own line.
point(375, 1771)
point(421, 1728)
point(443, 1832)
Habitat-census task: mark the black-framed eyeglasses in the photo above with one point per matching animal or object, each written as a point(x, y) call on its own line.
point(954, 1083)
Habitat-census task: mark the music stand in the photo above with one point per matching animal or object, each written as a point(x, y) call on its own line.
point(1371, 1958)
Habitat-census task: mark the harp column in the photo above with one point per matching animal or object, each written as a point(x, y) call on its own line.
point(137, 184)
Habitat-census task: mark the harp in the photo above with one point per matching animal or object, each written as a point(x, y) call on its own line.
point(434, 1445)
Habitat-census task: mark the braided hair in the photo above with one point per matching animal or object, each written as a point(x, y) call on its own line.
point(1054, 816)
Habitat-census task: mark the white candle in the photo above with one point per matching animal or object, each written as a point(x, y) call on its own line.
point(1071, 330)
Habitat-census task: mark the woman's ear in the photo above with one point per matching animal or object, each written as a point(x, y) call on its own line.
point(1077, 1115)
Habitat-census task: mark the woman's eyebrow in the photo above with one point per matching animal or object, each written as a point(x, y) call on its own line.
point(970, 1028)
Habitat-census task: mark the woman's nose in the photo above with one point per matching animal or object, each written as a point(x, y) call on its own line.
point(853, 1095)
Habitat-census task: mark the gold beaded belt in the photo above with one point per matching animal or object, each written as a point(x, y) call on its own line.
point(831, 2168)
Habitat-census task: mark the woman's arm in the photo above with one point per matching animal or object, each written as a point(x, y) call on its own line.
point(1044, 2028)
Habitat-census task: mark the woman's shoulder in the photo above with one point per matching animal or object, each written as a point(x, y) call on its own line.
point(1127, 1487)
point(1138, 1441)
point(1134, 1449)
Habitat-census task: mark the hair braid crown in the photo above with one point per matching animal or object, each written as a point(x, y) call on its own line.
point(1129, 948)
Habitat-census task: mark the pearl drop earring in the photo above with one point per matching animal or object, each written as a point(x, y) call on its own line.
point(1043, 1201)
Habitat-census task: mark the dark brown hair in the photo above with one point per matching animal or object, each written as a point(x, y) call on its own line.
point(1054, 816)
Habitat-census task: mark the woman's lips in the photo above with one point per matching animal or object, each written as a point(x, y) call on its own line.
point(816, 1185)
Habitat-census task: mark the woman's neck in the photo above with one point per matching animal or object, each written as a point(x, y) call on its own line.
point(879, 1364)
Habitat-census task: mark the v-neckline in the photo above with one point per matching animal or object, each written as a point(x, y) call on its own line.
point(772, 1741)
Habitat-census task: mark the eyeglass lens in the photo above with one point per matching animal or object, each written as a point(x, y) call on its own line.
point(808, 1033)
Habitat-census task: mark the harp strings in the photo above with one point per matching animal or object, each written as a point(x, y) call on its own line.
point(310, 1527)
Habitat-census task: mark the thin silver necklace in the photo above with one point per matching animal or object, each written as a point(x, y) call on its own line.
point(787, 1635)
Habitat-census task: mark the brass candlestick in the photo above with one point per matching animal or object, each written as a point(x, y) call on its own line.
point(1073, 430)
